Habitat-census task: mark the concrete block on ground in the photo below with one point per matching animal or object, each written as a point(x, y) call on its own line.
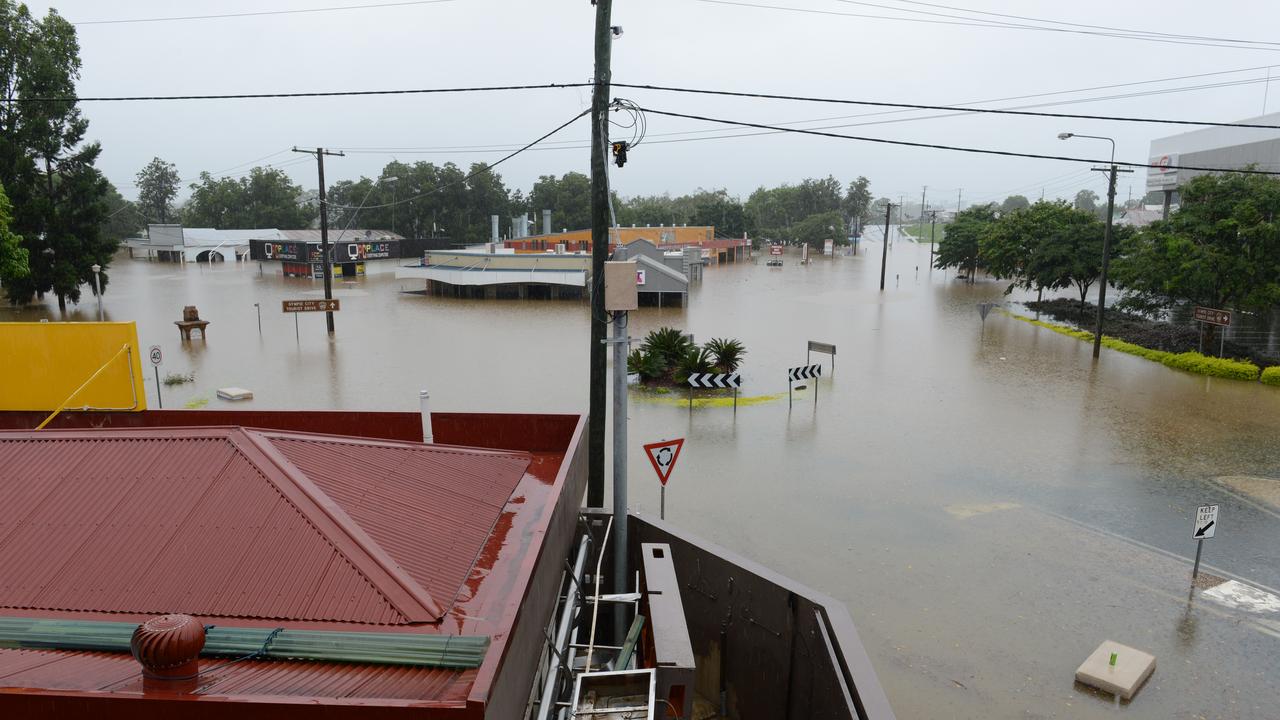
point(1123, 679)
point(235, 393)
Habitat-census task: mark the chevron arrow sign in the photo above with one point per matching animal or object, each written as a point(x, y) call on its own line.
point(715, 380)
point(804, 372)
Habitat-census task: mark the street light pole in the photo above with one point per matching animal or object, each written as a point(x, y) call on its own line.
point(1111, 171)
point(97, 287)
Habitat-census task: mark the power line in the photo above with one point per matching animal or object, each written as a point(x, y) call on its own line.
point(577, 145)
point(1131, 34)
point(487, 168)
point(954, 108)
point(955, 148)
point(981, 24)
point(336, 93)
point(1085, 25)
point(260, 13)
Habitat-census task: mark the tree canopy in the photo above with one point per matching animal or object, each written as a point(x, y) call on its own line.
point(157, 187)
point(265, 198)
point(959, 248)
point(13, 257)
point(46, 166)
point(1221, 248)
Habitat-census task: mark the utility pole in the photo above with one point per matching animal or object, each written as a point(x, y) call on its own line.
point(933, 229)
point(959, 195)
point(884, 251)
point(1106, 253)
point(325, 259)
point(599, 252)
point(923, 194)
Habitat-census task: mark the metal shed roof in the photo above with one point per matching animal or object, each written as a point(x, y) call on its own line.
point(241, 523)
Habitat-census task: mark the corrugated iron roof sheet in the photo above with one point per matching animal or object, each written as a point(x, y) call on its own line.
point(228, 522)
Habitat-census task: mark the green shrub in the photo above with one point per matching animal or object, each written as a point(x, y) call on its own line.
point(668, 344)
point(1271, 375)
point(647, 365)
point(728, 353)
point(179, 378)
point(1215, 367)
point(696, 360)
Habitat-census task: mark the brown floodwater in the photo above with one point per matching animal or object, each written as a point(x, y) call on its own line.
point(989, 502)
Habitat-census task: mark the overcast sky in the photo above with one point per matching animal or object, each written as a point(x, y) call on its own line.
point(672, 42)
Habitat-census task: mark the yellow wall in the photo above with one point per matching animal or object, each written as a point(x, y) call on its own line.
point(45, 362)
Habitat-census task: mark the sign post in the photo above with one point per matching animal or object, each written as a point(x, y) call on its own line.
point(1212, 316)
point(297, 306)
point(663, 456)
point(1205, 527)
point(715, 380)
point(804, 372)
point(156, 357)
point(815, 346)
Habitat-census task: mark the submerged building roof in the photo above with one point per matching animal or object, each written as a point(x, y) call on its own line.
point(279, 533)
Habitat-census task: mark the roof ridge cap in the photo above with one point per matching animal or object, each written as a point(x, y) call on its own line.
point(405, 594)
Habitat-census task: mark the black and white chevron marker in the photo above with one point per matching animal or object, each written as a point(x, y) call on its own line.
point(804, 372)
point(715, 380)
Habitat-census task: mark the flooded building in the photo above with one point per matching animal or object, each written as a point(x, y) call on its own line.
point(714, 249)
point(175, 243)
point(352, 253)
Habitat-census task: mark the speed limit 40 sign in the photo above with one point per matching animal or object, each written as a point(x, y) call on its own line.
point(156, 355)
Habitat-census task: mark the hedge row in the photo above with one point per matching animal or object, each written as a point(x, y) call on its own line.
point(1271, 375)
point(1189, 361)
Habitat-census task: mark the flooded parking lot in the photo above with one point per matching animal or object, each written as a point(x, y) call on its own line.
point(989, 502)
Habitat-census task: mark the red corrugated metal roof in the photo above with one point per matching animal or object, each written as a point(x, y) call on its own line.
point(238, 523)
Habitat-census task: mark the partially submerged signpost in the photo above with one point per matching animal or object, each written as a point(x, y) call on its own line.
point(804, 372)
point(715, 380)
point(819, 347)
point(297, 306)
point(663, 456)
point(156, 357)
point(1205, 526)
point(1212, 316)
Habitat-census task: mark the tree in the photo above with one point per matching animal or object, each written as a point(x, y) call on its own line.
point(13, 257)
point(266, 198)
point(568, 198)
point(1014, 202)
point(1220, 249)
point(960, 247)
point(45, 165)
point(814, 229)
point(157, 187)
point(123, 220)
point(1087, 200)
point(1049, 245)
point(857, 201)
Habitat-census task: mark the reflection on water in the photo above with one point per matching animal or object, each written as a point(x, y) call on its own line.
point(1075, 482)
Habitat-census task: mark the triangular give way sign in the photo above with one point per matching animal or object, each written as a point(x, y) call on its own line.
point(663, 456)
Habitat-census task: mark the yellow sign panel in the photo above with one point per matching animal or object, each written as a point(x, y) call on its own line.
point(46, 365)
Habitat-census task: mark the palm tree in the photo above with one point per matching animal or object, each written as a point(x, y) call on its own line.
point(728, 353)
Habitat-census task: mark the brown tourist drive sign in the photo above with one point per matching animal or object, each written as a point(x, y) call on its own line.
point(1211, 316)
point(310, 305)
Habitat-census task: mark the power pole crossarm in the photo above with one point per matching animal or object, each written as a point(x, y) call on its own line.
point(326, 261)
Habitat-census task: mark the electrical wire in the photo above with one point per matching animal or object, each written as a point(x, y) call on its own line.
point(1135, 35)
point(975, 23)
point(1085, 25)
point(260, 13)
point(955, 108)
point(577, 145)
point(336, 93)
point(487, 168)
point(954, 148)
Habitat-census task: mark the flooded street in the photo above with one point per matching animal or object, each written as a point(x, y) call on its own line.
point(988, 502)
